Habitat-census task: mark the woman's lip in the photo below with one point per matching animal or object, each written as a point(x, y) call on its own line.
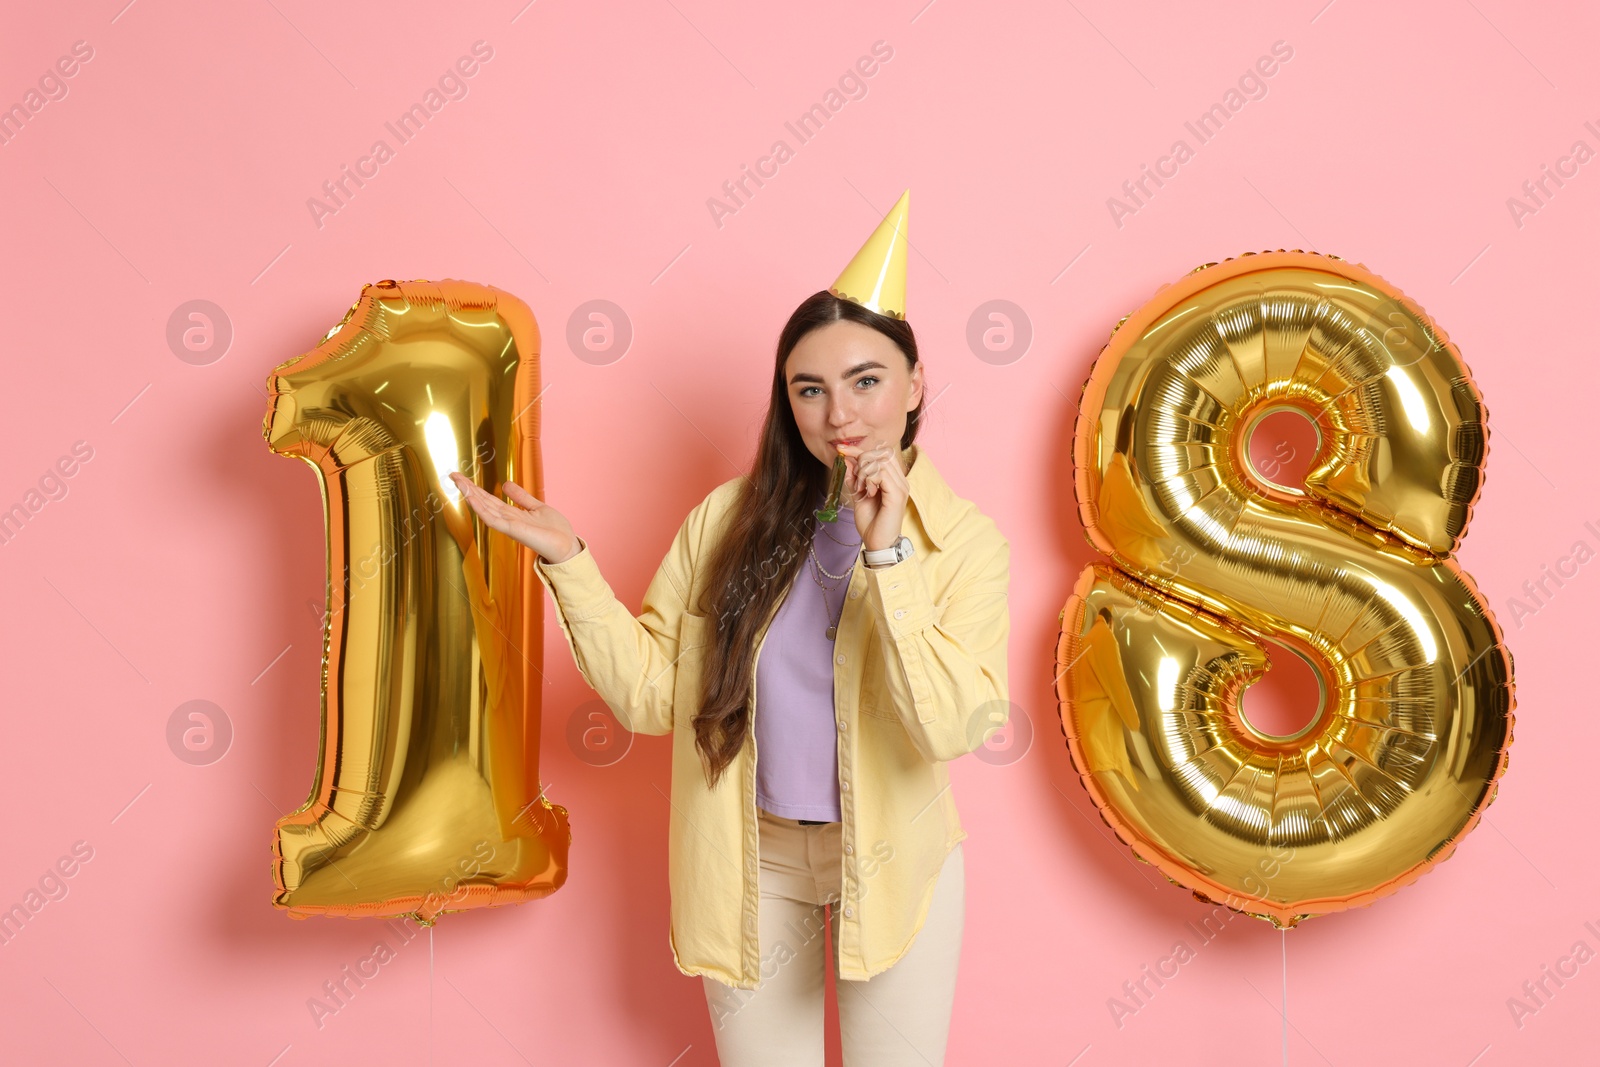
point(848, 440)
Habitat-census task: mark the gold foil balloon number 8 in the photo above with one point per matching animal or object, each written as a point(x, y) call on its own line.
point(1209, 562)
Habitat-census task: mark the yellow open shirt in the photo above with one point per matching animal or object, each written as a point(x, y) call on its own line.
point(919, 678)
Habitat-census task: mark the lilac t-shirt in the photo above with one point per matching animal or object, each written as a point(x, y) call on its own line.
point(797, 755)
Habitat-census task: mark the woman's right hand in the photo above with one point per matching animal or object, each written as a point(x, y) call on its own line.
point(533, 523)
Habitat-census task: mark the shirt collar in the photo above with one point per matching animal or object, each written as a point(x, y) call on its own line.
point(930, 495)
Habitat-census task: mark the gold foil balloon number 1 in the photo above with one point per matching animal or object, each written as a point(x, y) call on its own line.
point(1209, 562)
point(426, 796)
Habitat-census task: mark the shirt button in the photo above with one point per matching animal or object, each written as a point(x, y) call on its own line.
point(900, 614)
point(839, 659)
point(854, 593)
point(841, 724)
point(849, 850)
point(849, 913)
point(845, 786)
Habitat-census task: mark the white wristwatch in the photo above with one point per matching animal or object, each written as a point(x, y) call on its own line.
point(887, 557)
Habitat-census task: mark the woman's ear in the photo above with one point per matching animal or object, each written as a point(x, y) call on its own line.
point(916, 388)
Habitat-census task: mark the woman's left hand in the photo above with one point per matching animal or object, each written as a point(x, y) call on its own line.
point(873, 474)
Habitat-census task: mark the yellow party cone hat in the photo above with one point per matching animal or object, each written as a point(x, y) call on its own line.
point(876, 277)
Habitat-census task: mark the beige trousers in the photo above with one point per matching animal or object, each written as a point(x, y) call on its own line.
point(900, 1016)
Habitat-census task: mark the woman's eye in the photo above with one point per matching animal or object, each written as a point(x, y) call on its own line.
point(806, 390)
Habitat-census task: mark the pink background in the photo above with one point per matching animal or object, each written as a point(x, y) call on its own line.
point(185, 562)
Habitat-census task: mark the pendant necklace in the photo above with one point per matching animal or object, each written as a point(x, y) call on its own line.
point(833, 627)
point(836, 541)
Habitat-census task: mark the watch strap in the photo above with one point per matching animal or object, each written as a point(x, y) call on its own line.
point(883, 557)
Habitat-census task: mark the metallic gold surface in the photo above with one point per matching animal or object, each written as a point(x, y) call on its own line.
point(426, 796)
point(1209, 561)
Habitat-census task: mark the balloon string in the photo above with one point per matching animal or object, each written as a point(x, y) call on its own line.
point(1284, 939)
point(430, 994)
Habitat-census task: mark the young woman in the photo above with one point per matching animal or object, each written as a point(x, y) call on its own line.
point(875, 649)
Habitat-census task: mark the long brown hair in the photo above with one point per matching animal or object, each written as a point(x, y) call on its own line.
point(757, 560)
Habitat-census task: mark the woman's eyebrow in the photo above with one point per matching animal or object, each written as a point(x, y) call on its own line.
point(870, 364)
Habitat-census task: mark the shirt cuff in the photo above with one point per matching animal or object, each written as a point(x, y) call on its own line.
point(579, 588)
point(900, 595)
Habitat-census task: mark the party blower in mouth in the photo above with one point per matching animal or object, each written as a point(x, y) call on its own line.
point(830, 509)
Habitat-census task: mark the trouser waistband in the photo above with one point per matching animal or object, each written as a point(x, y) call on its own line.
point(765, 814)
